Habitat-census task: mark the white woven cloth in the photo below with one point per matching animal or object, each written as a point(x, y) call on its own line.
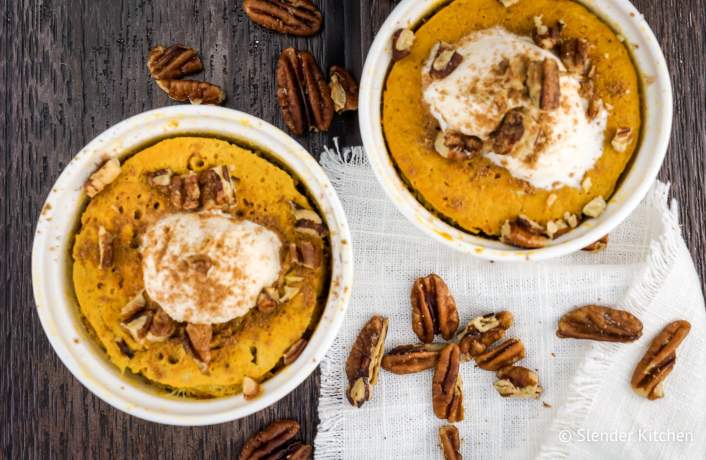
point(593, 413)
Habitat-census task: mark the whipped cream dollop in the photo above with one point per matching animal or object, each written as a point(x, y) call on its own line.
point(208, 267)
point(558, 146)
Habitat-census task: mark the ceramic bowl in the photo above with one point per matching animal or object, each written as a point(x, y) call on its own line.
point(51, 263)
point(636, 181)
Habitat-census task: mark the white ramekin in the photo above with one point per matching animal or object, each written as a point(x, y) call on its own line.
point(51, 263)
point(656, 129)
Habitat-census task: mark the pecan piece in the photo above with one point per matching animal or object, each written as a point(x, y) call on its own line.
point(444, 61)
point(124, 348)
point(447, 397)
point(308, 222)
point(162, 327)
point(547, 37)
point(139, 325)
point(543, 84)
point(199, 338)
point(574, 55)
point(135, 306)
point(217, 188)
point(107, 173)
point(160, 179)
point(105, 248)
point(268, 442)
point(433, 309)
point(344, 89)
point(597, 245)
point(622, 139)
point(658, 362)
point(596, 322)
point(509, 131)
point(251, 388)
point(294, 17)
point(409, 359)
point(196, 92)
point(191, 191)
point(174, 62)
point(518, 382)
point(595, 207)
point(402, 41)
point(268, 300)
point(482, 332)
point(295, 451)
point(595, 106)
point(303, 94)
point(306, 254)
point(363, 363)
point(453, 145)
point(504, 354)
point(523, 232)
point(450, 442)
point(294, 351)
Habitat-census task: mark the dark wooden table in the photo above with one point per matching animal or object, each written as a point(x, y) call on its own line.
point(70, 69)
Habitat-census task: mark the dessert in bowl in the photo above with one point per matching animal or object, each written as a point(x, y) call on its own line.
point(515, 132)
point(204, 272)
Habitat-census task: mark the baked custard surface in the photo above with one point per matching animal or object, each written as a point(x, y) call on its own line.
point(475, 194)
point(252, 345)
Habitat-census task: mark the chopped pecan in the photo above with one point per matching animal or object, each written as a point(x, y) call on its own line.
point(445, 60)
point(433, 309)
point(596, 322)
point(199, 336)
point(447, 397)
point(251, 388)
point(509, 131)
point(595, 106)
point(105, 248)
point(454, 145)
point(622, 139)
point(509, 3)
point(504, 354)
point(571, 220)
point(308, 222)
point(160, 179)
point(363, 363)
point(344, 89)
point(134, 306)
point(124, 348)
point(523, 232)
point(547, 37)
point(296, 451)
point(294, 351)
point(294, 17)
point(162, 327)
point(659, 360)
point(196, 92)
point(139, 325)
point(174, 62)
point(265, 444)
point(402, 41)
point(303, 94)
point(595, 207)
point(191, 191)
point(543, 84)
point(306, 254)
point(556, 228)
point(267, 301)
point(289, 293)
point(482, 332)
point(518, 382)
point(450, 442)
point(597, 245)
point(217, 188)
point(408, 359)
point(176, 191)
point(574, 55)
point(107, 173)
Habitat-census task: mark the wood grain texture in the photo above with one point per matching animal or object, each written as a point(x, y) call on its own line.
point(70, 69)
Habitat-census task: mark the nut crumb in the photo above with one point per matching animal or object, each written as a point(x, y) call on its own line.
point(586, 184)
point(509, 3)
point(622, 139)
point(251, 389)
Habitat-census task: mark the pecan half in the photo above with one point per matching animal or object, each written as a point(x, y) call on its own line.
point(543, 84)
point(295, 451)
point(308, 222)
point(306, 254)
point(523, 232)
point(574, 55)
point(509, 131)
point(162, 327)
point(402, 41)
point(105, 248)
point(450, 442)
point(107, 173)
point(596, 322)
point(294, 17)
point(363, 363)
point(303, 94)
point(199, 338)
point(453, 145)
point(344, 89)
point(174, 62)
point(268, 442)
point(251, 388)
point(408, 359)
point(444, 61)
point(196, 92)
point(482, 332)
point(433, 309)
point(658, 362)
point(447, 396)
point(622, 139)
point(294, 351)
point(504, 354)
point(518, 382)
point(597, 245)
point(547, 37)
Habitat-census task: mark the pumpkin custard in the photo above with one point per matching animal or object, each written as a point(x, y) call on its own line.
point(529, 115)
point(200, 266)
